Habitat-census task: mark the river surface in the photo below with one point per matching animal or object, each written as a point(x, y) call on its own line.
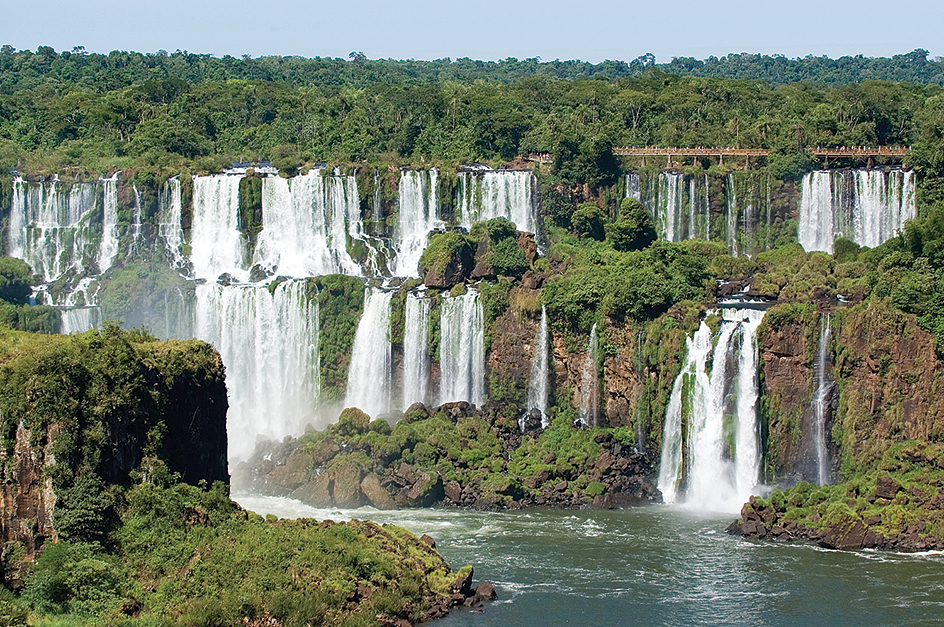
point(660, 565)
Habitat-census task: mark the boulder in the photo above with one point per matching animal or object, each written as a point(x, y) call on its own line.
point(347, 486)
point(317, 492)
point(886, 487)
point(375, 493)
point(485, 591)
point(453, 491)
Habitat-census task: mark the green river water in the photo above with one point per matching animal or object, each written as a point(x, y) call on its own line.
point(659, 565)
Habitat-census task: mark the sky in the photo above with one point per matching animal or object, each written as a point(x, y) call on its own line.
point(588, 30)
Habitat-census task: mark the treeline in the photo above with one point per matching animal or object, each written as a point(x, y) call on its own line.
point(23, 69)
point(164, 125)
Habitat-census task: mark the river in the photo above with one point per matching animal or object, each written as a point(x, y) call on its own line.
point(660, 565)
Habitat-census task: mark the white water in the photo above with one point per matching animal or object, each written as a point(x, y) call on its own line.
point(216, 242)
point(136, 222)
point(369, 374)
point(692, 377)
point(50, 229)
point(540, 371)
point(418, 215)
point(462, 349)
point(305, 225)
point(79, 319)
point(867, 206)
point(109, 245)
point(415, 351)
point(498, 193)
point(720, 410)
point(269, 344)
point(170, 228)
point(590, 383)
point(820, 408)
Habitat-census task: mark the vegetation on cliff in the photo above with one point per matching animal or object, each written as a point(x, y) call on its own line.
point(454, 454)
point(117, 507)
point(897, 503)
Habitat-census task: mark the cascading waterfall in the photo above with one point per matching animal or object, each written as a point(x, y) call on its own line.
point(50, 229)
point(218, 245)
point(882, 205)
point(269, 344)
point(867, 206)
point(498, 193)
point(731, 217)
point(418, 215)
point(590, 383)
point(692, 377)
point(820, 404)
point(540, 371)
point(462, 349)
point(670, 212)
point(370, 371)
point(170, 228)
point(305, 225)
point(715, 411)
point(77, 312)
point(79, 319)
point(415, 351)
point(633, 188)
point(109, 246)
point(816, 230)
point(680, 204)
point(136, 223)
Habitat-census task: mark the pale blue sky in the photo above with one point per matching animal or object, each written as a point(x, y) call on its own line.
point(590, 30)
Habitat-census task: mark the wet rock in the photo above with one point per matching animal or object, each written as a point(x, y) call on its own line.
point(375, 493)
point(317, 492)
point(347, 486)
point(453, 491)
point(428, 540)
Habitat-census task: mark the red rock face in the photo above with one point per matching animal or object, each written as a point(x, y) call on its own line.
point(888, 386)
point(28, 500)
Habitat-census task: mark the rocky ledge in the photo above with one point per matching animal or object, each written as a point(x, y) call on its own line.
point(897, 506)
point(453, 455)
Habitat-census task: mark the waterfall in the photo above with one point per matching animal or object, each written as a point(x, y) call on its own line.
point(692, 377)
point(867, 206)
point(269, 344)
point(50, 229)
point(170, 229)
point(590, 384)
point(109, 246)
point(882, 205)
point(669, 217)
point(731, 209)
point(369, 375)
point(136, 223)
point(716, 412)
point(418, 215)
point(79, 319)
point(537, 386)
point(415, 351)
point(821, 404)
point(218, 246)
point(305, 225)
point(462, 349)
point(498, 193)
point(633, 189)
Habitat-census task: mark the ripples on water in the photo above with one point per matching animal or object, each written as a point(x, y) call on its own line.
point(658, 565)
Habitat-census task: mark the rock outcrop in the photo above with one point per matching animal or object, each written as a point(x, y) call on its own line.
point(453, 455)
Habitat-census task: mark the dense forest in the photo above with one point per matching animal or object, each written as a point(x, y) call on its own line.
point(160, 114)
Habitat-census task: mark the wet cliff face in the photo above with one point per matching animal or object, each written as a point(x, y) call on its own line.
point(888, 388)
point(788, 387)
point(109, 404)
